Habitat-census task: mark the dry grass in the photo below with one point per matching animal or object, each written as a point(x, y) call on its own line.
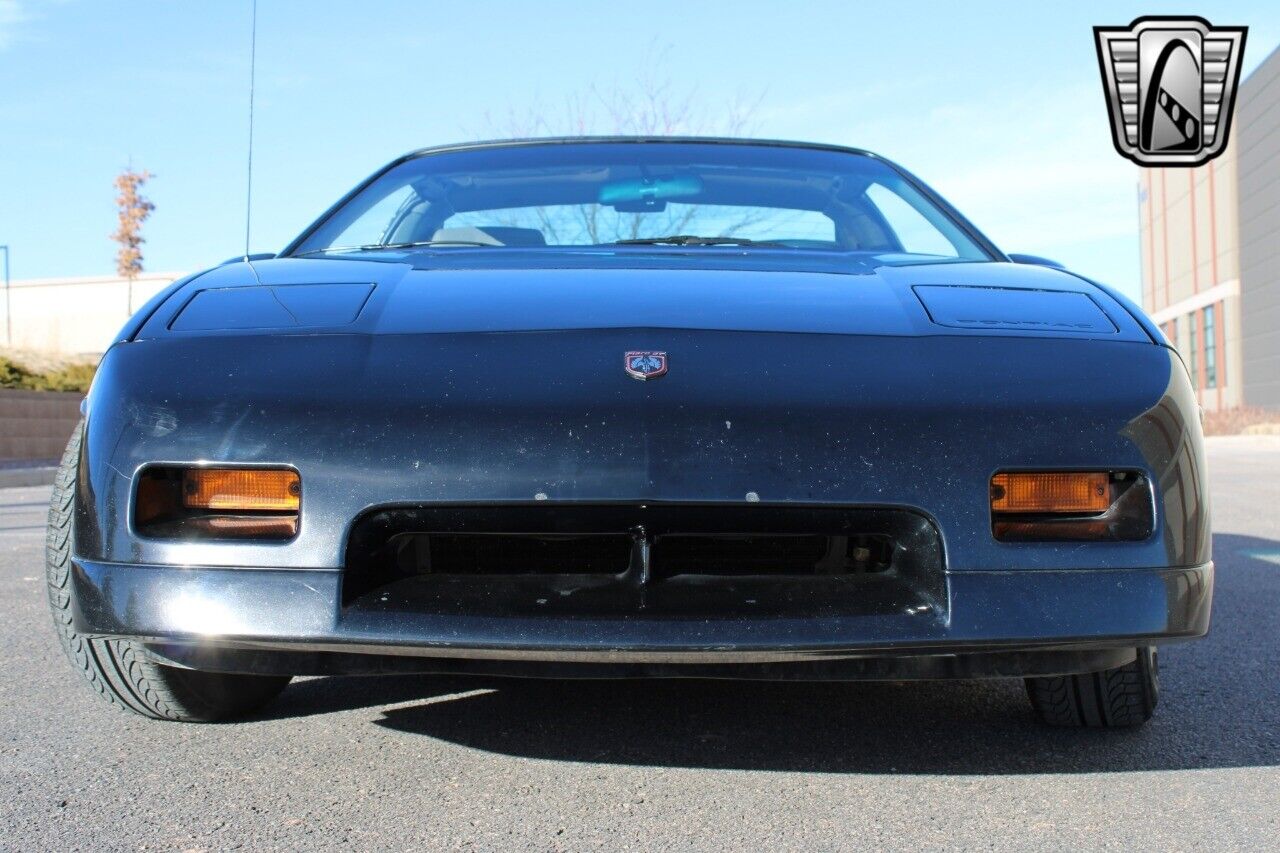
point(1236, 421)
point(32, 371)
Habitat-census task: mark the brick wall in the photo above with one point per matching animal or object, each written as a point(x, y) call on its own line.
point(35, 425)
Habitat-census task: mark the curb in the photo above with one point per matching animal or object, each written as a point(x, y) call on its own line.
point(16, 477)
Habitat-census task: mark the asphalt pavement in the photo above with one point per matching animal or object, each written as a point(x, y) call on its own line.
point(486, 764)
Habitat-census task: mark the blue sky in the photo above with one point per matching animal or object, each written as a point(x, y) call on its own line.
point(997, 105)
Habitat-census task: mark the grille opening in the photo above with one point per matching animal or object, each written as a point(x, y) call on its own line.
point(487, 554)
point(762, 554)
point(631, 561)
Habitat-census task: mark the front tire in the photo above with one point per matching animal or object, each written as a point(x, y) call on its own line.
point(119, 670)
point(1122, 697)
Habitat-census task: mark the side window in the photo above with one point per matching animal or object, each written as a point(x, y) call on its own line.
point(917, 234)
point(370, 227)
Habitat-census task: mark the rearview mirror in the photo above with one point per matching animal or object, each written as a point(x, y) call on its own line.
point(647, 205)
point(644, 194)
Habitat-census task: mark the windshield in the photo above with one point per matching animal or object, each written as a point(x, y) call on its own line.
point(627, 194)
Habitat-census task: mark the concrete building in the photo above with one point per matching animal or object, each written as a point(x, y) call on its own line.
point(72, 315)
point(1210, 241)
point(1258, 149)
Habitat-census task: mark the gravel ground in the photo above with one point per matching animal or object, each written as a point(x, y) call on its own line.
point(415, 762)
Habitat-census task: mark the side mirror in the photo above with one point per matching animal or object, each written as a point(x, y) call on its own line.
point(1036, 260)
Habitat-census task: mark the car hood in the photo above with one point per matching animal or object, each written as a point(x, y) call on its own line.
point(313, 296)
point(382, 384)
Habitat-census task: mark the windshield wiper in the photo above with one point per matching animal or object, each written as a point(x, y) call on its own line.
point(694, 240)
point(373, 247)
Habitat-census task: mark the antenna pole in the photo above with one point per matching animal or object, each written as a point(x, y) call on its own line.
point(248, 199)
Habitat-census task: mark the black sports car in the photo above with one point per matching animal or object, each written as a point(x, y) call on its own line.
point(634, 407)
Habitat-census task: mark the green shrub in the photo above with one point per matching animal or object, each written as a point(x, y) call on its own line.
point(71, 377)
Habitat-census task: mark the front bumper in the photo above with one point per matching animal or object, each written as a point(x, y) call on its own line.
point(1000, 623)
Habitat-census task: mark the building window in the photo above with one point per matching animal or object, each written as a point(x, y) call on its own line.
point(1210, 350)
point(1222, 336)
point(1192, 356)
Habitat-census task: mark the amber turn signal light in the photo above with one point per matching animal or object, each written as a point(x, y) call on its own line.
point(1071, 506)
point(241, 490)
point(1063, 492)
point(175, 502)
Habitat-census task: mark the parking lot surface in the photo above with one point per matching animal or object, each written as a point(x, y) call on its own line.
point(441, 763)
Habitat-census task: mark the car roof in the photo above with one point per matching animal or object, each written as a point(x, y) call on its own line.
point(577, 140)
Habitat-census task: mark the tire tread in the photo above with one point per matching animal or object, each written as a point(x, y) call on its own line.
point(1122, 697)
point(118, 670)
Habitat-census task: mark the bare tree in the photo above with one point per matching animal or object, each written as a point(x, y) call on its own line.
point(133, 210)
point(649, 105)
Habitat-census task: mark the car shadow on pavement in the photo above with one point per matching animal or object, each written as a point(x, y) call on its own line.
point(1220, 708)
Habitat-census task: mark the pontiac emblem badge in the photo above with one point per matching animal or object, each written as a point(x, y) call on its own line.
point(1171, 87)
point(645, 365)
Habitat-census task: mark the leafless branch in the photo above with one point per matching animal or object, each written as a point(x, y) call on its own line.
point(650, 104)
